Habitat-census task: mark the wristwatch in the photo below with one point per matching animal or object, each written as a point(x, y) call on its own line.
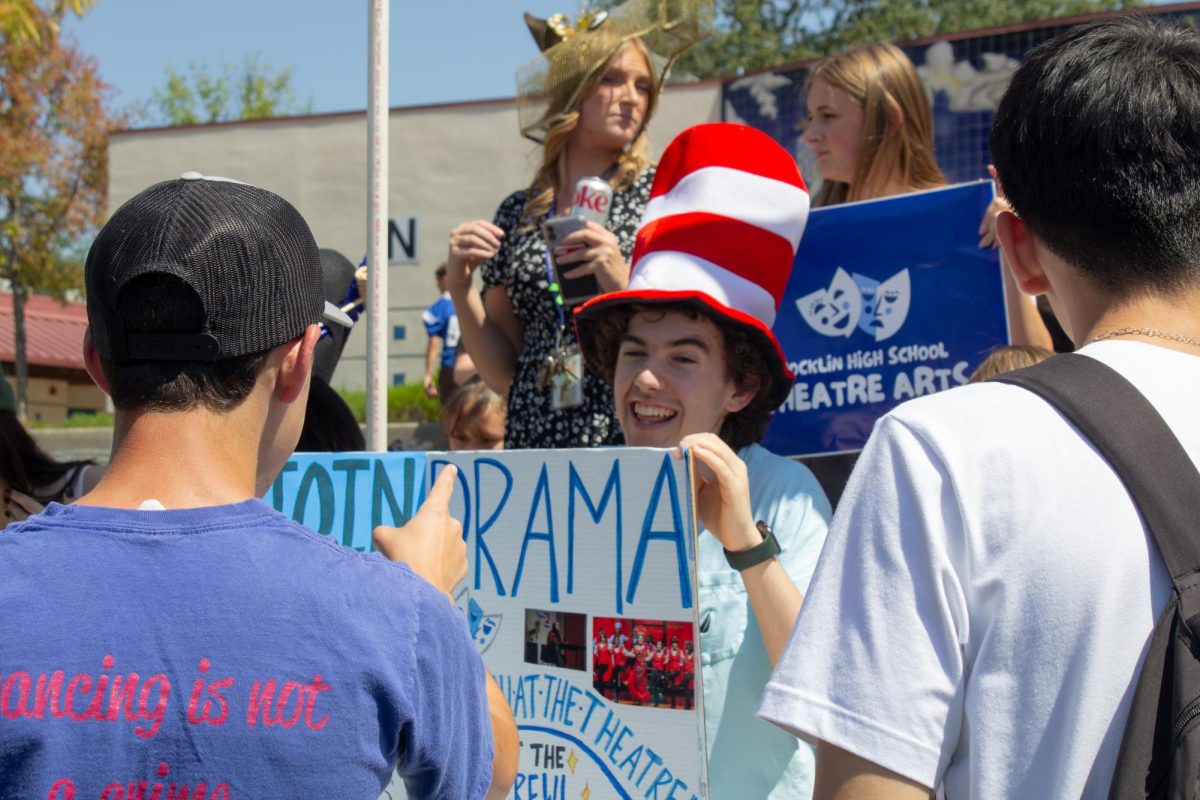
point(767, 548)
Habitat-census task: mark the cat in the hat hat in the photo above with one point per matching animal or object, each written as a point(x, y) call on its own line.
point(690, 356)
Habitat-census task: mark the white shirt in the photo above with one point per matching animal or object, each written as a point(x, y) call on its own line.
point(984, 601)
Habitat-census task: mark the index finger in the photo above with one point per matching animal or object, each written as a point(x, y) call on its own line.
point(713, 444)
point(490, 228)
point(443, 488)
point(583, 236)
point(599, 230)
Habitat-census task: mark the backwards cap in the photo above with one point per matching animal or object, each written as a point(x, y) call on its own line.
point(247, 254)
point(725, 216)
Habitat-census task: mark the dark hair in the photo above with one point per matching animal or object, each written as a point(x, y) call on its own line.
point(329, 424)
point(1096, 144)
point(23, 465)
point(745, 363)
point(159, 303)
point(440, 272)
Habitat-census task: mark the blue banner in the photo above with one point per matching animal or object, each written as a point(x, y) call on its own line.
point(888, 300)
point(346, 495)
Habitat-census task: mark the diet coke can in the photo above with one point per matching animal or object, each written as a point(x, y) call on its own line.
point(593, 198)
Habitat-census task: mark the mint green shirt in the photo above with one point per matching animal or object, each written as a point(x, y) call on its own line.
point(749, 757)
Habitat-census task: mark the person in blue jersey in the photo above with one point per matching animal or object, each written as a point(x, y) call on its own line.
point(441, 352)
point(169, 629)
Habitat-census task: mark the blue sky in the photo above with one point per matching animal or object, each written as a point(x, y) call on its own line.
point(441, 50)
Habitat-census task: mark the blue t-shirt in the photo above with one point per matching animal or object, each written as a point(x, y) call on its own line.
point(232, 648)
point(441, 320)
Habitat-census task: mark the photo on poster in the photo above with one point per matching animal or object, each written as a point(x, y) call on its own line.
point(555, 639)
point(644, 662)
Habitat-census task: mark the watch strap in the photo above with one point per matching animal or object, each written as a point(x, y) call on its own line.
point(767, 548)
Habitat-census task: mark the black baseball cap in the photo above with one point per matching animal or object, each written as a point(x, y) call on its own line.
point(247, 254)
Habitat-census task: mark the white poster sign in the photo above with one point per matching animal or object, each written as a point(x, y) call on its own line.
point(581, 596)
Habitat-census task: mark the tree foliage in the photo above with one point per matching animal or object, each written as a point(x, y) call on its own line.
point(891, 21)
point(54, 127)
point(758, 34)
point(252, 89)
point(25, 20)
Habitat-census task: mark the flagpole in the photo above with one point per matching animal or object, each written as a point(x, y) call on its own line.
point(377, 189)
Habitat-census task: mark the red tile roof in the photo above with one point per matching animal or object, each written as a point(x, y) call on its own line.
point(53, 332)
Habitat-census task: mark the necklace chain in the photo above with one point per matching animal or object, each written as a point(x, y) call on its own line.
point(1157, 334)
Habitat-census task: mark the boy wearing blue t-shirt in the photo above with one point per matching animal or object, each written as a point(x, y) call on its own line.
point(170, 632)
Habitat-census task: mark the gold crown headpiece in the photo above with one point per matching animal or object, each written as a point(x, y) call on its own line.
point(551, 85)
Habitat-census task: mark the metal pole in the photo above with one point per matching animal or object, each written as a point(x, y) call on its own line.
point(377, 230)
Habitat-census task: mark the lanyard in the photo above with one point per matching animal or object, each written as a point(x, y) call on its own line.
point(555, 292)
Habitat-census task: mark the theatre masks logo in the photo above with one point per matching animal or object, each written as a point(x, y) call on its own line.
point(483, 627)
point(877, 308)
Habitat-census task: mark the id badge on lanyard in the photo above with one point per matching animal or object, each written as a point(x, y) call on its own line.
point(562, 371)
point(562, 375)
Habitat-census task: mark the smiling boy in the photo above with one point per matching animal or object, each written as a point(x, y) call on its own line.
point(692, 361)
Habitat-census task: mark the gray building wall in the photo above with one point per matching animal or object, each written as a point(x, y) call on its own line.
point(448, 164)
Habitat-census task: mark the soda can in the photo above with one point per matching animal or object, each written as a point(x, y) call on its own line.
point(593, 200)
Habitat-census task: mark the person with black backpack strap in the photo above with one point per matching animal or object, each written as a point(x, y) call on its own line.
point(1006, 602)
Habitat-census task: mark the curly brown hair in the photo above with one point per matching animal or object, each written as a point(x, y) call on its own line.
point(745, 362)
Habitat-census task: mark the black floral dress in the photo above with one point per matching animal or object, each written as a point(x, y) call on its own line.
point(520, 267)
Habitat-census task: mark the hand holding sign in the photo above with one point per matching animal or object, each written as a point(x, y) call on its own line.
point(722, 492)
point(431, 543)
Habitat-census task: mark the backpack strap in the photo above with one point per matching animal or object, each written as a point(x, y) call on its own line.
point(1130, 434)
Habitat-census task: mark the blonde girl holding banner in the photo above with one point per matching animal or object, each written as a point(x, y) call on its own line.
point(871, 127)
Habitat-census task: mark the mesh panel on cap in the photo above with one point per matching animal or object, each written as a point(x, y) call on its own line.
point(247, 253)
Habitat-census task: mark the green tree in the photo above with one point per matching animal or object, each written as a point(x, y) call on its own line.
point(25, 20)
point(757, 34)
point(252, 89)
point(752, 35)
point(54, 127)
point(859, 21)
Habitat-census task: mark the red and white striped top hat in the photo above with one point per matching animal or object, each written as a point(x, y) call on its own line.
point(725, 216)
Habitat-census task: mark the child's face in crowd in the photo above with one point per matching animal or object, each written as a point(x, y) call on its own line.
point(834, 131)
point(486, 434)
point(613, 114)
point(670, 380)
